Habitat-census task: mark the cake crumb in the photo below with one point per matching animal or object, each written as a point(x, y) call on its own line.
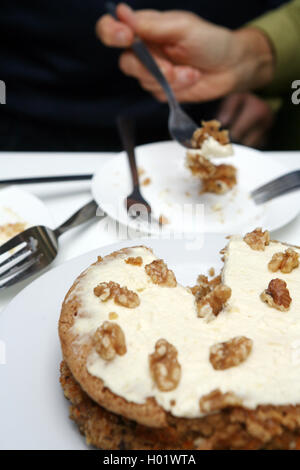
point(211, 272)
point(146, 182)
point(113, 316)
point(163, 220)
point(216, 207)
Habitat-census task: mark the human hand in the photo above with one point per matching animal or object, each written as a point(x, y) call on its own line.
point(247, 117)
point(200, 60)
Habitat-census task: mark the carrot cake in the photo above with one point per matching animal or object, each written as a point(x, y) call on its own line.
point(151, 364)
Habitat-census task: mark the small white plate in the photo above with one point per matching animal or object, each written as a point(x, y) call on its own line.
point(33, 410)
point(27, 207)
point(173, 188)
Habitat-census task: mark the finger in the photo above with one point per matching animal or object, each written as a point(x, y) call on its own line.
point(113, 33)
point(248, 118)
point(255, 113)
point(160, 96)
point(151, 25)
point(179, 77)
point(230, 108)
point(182, 77)
point(209, 87)
point(126, 14)
point(131, 65)
point(256, 137)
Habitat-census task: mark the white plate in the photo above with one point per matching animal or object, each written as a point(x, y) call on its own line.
point(25, 205)
point(33, 410)
point(172, 187)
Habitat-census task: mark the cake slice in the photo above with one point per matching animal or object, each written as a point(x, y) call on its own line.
point(151, 364)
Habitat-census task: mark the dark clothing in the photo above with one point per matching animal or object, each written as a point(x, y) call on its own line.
point(62, 82)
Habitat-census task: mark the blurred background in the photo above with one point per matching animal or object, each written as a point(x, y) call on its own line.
point(64, 88)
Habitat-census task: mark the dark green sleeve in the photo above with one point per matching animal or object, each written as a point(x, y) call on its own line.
point(282, 26)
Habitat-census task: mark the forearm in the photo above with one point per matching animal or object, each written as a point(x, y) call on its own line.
point(282, 27)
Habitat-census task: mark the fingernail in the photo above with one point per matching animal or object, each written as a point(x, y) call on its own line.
point(182, 76)
point(122, 38)
point(188, 76)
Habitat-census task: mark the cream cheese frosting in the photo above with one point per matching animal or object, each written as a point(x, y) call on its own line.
point(211, 148)
point(268, 376)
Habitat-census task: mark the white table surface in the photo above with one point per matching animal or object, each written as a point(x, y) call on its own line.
point(65, 198)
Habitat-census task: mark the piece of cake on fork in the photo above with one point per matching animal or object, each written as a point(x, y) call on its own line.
point(210, 142)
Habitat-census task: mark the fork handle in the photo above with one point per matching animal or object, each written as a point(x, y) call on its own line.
point(84, 214)
point(142, 52)
point(126, 131)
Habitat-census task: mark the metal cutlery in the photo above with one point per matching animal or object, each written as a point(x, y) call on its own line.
point(126, 130)
point(277, 187)
point(35, 248)
point(46, 179)
point(181, 126)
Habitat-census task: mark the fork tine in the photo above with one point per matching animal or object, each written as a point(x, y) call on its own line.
point(14, 256)
point(28, 269)
point(10, 244)
point(24, 261)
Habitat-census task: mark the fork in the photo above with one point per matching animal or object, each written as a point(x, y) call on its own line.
point(277, 187)
point(181, 126)
point(36, 247)
point(135, 199)
point(46, 179)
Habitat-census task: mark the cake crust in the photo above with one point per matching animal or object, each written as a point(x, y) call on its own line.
point(233, 428)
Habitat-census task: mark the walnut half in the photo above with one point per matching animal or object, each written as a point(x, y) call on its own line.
point(230, 353)
point(164, 366)
point(121, 295)
point(202, 287)
point(214, 301)
point(160, 274)
point(109, 340)
point(285, 262)
point(257, 240)
point(216, 400)
point(277, 295)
